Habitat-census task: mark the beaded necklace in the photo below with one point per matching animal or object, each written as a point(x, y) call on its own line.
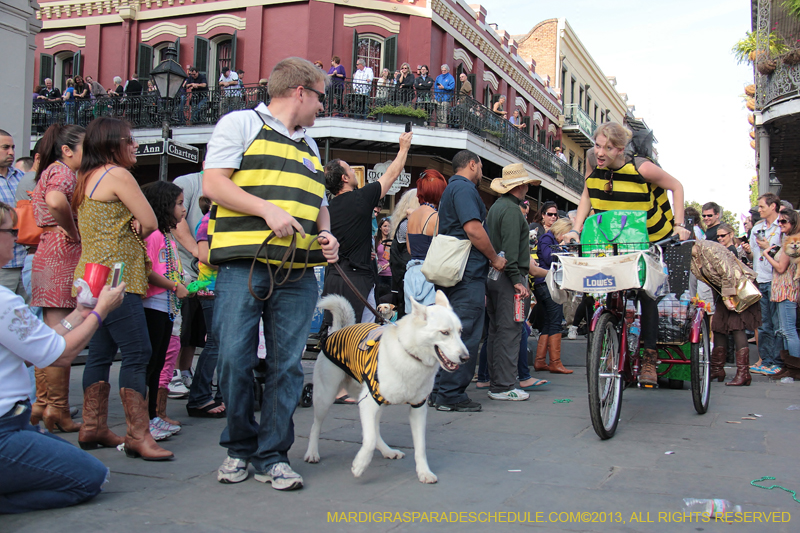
point(174, 274)
point(430, 205)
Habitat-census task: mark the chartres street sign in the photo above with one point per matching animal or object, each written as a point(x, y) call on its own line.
point(186, 152)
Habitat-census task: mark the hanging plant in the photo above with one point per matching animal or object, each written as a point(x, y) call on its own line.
point(766, 66)
point(751, 119)
point(792, 58)
point(746, 50)
point(751, 104)
point(752, 134)
point(750, 90)
point(753, 145)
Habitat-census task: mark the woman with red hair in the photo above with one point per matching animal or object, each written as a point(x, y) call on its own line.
point(422, 226)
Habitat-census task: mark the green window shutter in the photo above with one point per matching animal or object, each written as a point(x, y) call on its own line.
point(233, 50)
point(355, 53)
point(144, 63)
point(45, 67)
point(177, 46)
point(390, 54)
point(201, 46)
point(77, 64)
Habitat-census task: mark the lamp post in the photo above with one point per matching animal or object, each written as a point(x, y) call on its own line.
point(168, 77)
point(775, 186)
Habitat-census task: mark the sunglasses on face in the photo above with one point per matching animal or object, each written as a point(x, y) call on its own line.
point(707, 216)
point(320, 95)
point(13, 232)
point(551, 214)
point(722, 235)
point(128, 139)
point(783, 221)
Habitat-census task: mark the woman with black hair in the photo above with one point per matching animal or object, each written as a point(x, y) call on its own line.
point(61, 151)
point(114, 217)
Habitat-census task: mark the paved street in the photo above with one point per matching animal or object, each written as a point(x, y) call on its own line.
point(526, 457)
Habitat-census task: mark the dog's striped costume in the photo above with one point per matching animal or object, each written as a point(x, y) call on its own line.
point(354, 349)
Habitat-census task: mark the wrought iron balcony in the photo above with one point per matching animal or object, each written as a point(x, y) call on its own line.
point(348, 101)
point(578, 125)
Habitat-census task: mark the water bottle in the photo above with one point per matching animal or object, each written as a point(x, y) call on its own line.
point(634, 330)
point(685, 300)
point(711, 508)
point(494, 274)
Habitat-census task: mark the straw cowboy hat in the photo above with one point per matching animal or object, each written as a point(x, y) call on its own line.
point(513, 176)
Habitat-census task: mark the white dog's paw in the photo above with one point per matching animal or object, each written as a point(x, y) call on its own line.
point(391, 453)
point(311, 457)
point(427, 476)
point(360, 464)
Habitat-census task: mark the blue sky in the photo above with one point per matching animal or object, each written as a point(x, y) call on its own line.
point(674, 61)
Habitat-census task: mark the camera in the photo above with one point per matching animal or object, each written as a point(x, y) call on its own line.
point(774, 251)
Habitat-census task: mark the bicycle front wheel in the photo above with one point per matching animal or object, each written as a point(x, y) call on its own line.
point(604, 376)
point(701, 376)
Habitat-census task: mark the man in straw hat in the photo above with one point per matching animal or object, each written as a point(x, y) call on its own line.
point(508, 231)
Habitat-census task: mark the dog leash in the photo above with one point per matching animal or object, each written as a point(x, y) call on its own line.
point(289, 256)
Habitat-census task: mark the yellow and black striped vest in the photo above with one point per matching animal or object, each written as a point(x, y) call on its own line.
point(354, 349)
point(288, 174)
point(631, 191)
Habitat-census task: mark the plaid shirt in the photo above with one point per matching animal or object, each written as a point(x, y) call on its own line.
point(8, 194)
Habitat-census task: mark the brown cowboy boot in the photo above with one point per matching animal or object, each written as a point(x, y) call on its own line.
point(649, 373)
point(38, 407)
point(555, 367)
point(742, 368)
point(138, 441)
point(161, 407)
point(717, 364)
point(540, 363)
point(56, 414)
point(94, 431)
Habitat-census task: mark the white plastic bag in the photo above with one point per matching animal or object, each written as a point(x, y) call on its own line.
point(656, 280)
point(558, 295)
point(601, 274)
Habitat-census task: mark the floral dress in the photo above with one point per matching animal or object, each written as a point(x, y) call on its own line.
point(57, 255)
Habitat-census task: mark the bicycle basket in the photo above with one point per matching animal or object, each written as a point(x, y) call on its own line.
point(617, 227)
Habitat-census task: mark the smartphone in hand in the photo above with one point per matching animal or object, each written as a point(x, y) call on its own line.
point(408, 126)
point(116, 274)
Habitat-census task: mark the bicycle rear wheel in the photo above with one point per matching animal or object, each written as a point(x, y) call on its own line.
point(701, 351)
point(605, 378)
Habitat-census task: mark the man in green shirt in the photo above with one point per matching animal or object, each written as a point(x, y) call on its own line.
point(508, 231)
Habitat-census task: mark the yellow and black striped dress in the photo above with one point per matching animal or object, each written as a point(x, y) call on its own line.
point(630, 191)
point(354, 349)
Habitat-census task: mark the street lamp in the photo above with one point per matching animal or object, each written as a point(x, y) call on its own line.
point(775, 186)
point(168, 77)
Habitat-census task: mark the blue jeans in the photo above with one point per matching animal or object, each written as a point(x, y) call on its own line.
point(125, 328)
point(42, 471)
point(767, 349)
point(553, 312)
point(287, 321)
point(523, 370)
point(200, 392)
point(468, 301)
point(787, 329)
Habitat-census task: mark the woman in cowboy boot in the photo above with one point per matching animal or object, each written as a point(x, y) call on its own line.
point(717, 266)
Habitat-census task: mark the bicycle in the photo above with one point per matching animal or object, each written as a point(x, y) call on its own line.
point(610, 365)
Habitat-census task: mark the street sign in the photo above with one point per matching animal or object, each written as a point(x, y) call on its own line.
point(404, 180)
point(150, 147)
point(186, 152)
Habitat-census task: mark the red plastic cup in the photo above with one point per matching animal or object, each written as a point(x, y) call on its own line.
point(96, 276)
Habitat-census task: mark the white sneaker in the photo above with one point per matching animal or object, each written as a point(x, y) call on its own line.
point(281, 476)
point(573, 333)
point(233, 470)
point(158, 433)
point(177, 390)
point(187, 379)
point(160, 423)
point(513, 395)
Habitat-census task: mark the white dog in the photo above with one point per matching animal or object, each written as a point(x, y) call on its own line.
point(399, 369)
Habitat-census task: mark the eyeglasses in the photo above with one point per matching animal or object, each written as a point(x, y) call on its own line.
point(13, 232)
point(783, 221)
point(129, 139)
point(707, 216)
point(320, 95)
point(403, 68)
point(551, 214)
point(721, 235)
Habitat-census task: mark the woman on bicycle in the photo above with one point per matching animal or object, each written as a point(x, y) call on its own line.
point(620, 179)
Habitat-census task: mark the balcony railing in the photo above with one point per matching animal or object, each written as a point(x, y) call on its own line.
point(575, 116)
point(351, 100)
point(783, 84)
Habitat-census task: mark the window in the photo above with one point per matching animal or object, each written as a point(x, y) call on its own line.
point(487, 96)
point(595, 112)
point(563, 82)
point(222, 54)
point(602, 114)
point(572, 91)
point(571, 158)
point(580, 97)
point(588, 103)
point(370, 49)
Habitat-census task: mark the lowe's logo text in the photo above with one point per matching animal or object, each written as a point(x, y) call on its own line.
point(599, 281)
